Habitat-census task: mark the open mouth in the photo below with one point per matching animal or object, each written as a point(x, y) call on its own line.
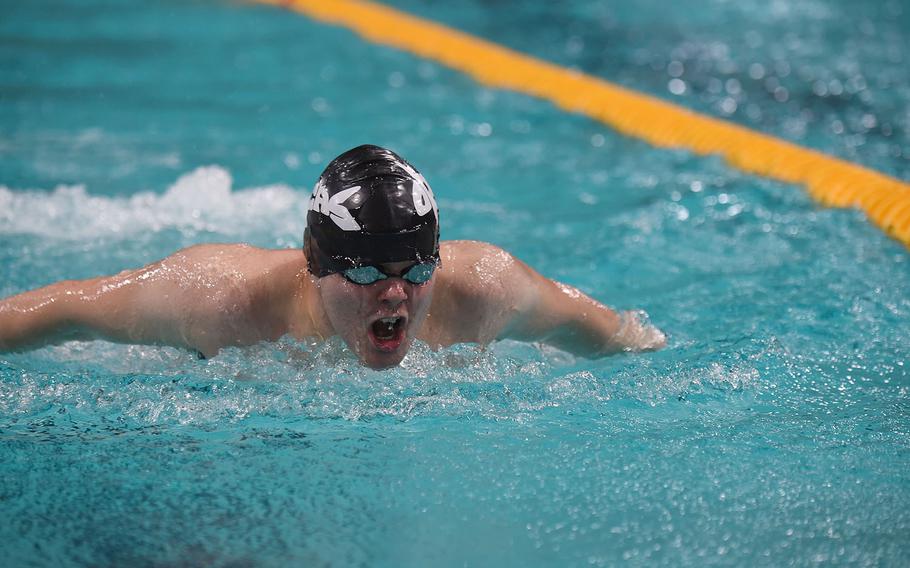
point(388, 333)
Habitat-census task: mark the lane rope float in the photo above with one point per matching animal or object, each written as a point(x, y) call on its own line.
point(831, 181)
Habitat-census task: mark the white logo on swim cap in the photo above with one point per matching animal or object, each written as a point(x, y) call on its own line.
point(421, 193)
point(332, 206)
point(423, 199)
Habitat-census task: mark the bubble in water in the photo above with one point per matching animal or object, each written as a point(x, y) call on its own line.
point(677, 86)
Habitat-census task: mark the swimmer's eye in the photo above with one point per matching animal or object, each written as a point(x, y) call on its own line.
point(420, 273)
point(365, 275)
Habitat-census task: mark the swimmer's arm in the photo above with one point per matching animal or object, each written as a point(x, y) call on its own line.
point(158, 304)
point(566, 318)
point(38, 317)
point(109, 308)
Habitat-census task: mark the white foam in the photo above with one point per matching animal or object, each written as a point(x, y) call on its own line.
point(201, 200)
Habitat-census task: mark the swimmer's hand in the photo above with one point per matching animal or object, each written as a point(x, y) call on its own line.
point(635, 333)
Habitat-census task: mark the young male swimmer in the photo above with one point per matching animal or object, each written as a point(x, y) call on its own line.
point(372, 271)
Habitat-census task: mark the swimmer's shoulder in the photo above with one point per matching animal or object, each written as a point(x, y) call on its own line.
point(236, 262)
point(465, 253)
point(239, 256)
point(485, 273)
point(470, 261)
point(269, 274)
point(249, 291)
point(234, 272)
point(475, 272)
point(474, 293)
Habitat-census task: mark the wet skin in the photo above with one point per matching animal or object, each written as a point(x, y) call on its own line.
point(354, 311)
point(208, 297)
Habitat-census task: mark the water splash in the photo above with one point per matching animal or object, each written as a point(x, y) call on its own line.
point(202, 200)
point(146, 386)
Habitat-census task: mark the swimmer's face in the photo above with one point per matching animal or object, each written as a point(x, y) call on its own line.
point(378, 321)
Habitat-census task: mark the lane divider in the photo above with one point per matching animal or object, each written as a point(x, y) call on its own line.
point(831, 181)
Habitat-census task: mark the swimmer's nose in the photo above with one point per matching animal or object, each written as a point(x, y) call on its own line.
point(393, 293)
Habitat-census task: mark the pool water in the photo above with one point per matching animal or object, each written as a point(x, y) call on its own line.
point(773, 430)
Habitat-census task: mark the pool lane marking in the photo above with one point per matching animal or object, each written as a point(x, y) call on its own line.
point(831, 181)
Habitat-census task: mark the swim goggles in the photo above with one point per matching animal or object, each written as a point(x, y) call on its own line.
point(418, 273)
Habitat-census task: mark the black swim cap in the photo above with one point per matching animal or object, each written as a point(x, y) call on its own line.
point(370, 207)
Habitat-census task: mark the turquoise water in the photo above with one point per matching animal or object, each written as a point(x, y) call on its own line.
point(772, 431)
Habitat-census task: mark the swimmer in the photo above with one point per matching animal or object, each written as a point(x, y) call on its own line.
point(372, 271)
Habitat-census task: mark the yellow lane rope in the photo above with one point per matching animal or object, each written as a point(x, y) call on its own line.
point(830, 180)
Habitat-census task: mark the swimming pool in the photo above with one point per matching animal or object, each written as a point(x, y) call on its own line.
point(773, 430)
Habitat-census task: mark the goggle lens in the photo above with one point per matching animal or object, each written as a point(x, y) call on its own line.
point(365, 275)
point(420, 273)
